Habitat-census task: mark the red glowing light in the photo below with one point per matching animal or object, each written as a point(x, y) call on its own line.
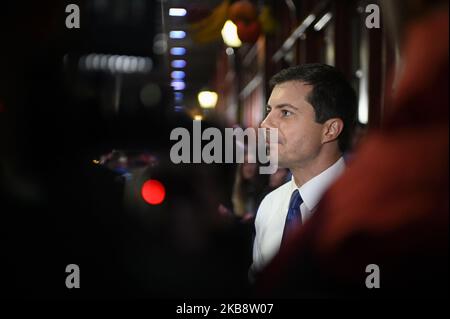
point(153, 192)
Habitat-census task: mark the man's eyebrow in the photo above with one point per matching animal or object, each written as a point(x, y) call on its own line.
point(279, 106)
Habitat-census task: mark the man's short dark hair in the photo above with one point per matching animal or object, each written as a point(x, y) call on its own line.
point(331, 97)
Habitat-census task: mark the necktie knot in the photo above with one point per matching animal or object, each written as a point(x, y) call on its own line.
point(296, 200)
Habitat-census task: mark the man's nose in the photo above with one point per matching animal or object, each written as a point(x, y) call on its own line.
point(267, 122)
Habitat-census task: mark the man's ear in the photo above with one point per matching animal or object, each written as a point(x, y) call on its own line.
point(332, 128)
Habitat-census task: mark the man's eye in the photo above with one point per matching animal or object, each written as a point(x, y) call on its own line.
point(268, 110)
point(286, 113)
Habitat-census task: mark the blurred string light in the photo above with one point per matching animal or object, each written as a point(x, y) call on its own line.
point(178, 51)
point(198, 117)
point(179, 96)
point(230, 35)
point(207, 99)
point(177, 34)
point(178, 85)
point(178, 75)
point(177, 12)
point(178, 64)
point(115, 63)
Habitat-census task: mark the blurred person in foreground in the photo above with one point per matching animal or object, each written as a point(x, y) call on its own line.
point(396, 214)
point(247, 190)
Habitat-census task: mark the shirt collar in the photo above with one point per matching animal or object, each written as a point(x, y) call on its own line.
point(313, 189)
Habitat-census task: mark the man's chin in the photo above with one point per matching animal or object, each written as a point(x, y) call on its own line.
point(281, 163)
point(282, 166)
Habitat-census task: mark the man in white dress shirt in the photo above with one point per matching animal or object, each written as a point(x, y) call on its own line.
point(314, 109)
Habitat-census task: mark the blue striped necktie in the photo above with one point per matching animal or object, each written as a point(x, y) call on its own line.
point(294, 216)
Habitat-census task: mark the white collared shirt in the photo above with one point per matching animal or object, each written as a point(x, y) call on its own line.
point(271, 217)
